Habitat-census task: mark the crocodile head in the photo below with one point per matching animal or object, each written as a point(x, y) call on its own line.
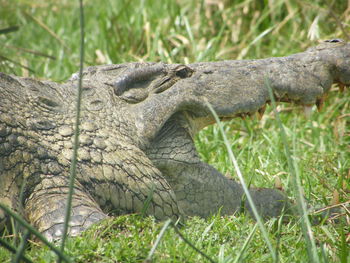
point(233, 88)
point(339, 58)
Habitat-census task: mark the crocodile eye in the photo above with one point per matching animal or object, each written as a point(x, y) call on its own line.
point(335, 40)
point(184, 72)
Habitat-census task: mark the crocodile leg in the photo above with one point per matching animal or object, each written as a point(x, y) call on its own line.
point(45, 207)
point(8, 196)
point(199, 188)
point(202, 191)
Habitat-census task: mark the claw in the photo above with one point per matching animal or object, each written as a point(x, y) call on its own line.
point(307, 111)
point(244, 115)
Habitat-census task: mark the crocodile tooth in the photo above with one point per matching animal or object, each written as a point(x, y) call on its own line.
point(278, 183)
point(242, 115)
point(261, 111)
point(341, 87)
point(307, 110)
point(320, 103)
point(228, 175)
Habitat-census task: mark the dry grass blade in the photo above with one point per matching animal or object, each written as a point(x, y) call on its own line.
point(314, 30)
point(45, 27)
point(34, 52)
point(343, 205)
point(338, 21)
point(3, 58)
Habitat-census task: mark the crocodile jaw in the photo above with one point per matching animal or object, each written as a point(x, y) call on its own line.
point(240, 88)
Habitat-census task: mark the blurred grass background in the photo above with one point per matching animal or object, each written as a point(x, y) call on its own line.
point(172, 31)
point(46, 46)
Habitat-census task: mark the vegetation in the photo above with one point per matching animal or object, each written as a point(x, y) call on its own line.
point(46, 46)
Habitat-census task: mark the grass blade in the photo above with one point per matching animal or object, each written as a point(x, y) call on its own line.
point(159, 238)
point(21, 248)
point(246, 243)
point(190, 244)
point(34, 52)
point(46, 28)
point(76, 132)
point(148, 201)
point(3, 58)
point(344, 250)
point(9, 29)
point(244, 185)
point(10, 248)
point(301, 204)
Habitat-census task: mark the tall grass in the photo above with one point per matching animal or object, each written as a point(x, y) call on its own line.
point(171, 31)
point(47, 46)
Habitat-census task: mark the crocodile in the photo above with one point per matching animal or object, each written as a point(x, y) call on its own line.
point(136, 150)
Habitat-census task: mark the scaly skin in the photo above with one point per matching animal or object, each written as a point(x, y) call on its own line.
point(137, 125)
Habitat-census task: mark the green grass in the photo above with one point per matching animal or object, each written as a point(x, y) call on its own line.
point(188, 31)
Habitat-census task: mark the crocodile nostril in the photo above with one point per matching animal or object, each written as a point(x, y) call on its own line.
point(335, 40)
